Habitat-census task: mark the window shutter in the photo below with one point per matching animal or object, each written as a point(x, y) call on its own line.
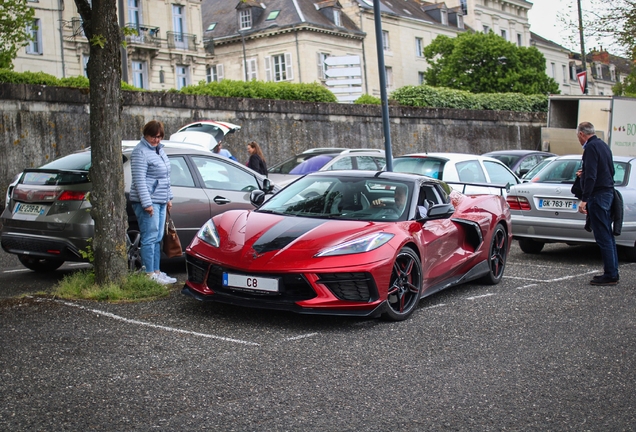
point(219, 72)
point(288, 66)
point(319, 61)
point(268, 69)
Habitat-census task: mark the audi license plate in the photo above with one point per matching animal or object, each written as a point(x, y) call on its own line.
point(30, 209)
point(557, 204)
point(255, 283)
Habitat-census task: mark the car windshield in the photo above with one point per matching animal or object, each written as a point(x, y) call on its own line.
point(560, 171)
point(369, 199)
point(508, 160)
point(530, 174)
point(311, 165)
point(430, 167)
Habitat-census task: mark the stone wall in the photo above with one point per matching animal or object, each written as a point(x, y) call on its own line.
point(42, 123)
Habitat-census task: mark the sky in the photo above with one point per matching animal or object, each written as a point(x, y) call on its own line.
point(544, 21)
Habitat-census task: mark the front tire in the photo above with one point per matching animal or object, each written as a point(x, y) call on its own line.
point(40, 265)
point(530, 246)
point(497, 256)
point(405, 287)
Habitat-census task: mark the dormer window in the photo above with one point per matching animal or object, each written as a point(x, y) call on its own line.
point(460, 21)
point(245, 19)
point(612, 73)
point(599, 71)
point(444, 16)
point(336, 17)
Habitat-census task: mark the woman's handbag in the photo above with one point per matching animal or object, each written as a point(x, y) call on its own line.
point(171, 242)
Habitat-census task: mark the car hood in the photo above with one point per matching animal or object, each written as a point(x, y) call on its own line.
point(263, 241)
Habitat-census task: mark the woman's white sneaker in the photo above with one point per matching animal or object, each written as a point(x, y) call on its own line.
point(167, 278)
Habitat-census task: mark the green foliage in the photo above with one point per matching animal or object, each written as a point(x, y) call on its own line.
point(367, 99)
point(486, 63)
point(98, 40)
point(88, 253)
point(15, 15)
point(136, 286)
point(627, 87)
point(439, 97)
point(41, 78)
point(313, 92)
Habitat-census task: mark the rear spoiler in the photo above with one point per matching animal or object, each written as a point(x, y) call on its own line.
point(463, 185)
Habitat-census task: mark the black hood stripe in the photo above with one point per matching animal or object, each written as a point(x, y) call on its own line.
point(285, 232)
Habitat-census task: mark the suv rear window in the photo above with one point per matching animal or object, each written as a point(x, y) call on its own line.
point(75, 161)
point(429, 167)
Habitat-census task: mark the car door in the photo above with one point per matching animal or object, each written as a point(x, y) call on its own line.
point(190, 204)
point(226, 184)
point(499, 174)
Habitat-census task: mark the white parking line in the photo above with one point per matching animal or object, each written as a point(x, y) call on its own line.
point(480, 296)
point(528, 286)
point(553, 280)
point(145, 324)
point(293, 338)
point(16, 271)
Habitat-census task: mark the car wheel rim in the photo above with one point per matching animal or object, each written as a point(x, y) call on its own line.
point(406, 281)
point(498, 253)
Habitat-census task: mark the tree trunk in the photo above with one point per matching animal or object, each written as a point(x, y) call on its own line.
point(107, 197)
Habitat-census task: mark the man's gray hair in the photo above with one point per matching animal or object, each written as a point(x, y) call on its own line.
point(587, 128)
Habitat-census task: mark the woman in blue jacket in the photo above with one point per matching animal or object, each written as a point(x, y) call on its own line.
point(151, 196)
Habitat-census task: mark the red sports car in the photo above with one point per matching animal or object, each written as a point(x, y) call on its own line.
point(350, 243)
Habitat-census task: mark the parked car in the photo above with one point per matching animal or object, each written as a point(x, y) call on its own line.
point(545, 210)
point(530, 175)
point(207, 133)
point(326, 159)
point(47, 219)
point(519, 161)
point(465, 172)
point(323, 245)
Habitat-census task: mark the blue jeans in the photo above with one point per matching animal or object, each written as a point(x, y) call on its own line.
point(151, 229)
point(599, 206)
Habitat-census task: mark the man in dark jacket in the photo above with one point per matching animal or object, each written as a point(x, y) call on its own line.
point(597, 197)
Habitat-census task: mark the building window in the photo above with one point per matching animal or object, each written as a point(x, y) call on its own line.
point(385, 40)
point(322, 67)
point(279, 68)
point(553, 70)
point(486, 29)
point(444, 15)
point(519, 40)
point(612, 73)
point(214, 73)
point(565, 73)
point(162, 77)
point(178, 24)
point(134, 13)
point(85, 64)
point(464, 5)
point(252, 72)
point(504, 34)
point(183, 76)
point(460, 21)
point(35, 44)
point(336, 17)
point(245, 19)
point(389, 77)
point(420, 78)
point(139, 74)
point(599, 71)
point(419, 47)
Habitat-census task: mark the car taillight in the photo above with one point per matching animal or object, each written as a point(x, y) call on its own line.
point(518, 203)
point(72, 196)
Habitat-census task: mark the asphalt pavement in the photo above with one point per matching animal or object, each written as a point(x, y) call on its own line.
point(543, 350)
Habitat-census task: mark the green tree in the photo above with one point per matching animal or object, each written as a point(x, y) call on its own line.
point(15, 15)
point(107, 173)
point(486, 63)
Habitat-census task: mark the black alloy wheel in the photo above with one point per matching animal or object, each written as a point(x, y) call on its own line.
point(497, 256)
point(406, 285)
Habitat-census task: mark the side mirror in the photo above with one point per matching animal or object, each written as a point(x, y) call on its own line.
point(438, 211)
point(267, 185)
point(257, 197)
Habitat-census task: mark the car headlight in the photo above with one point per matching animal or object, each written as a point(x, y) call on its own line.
point(208, 234)
point(360, 245)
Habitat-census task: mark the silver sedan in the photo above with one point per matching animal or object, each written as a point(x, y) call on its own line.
point(545, 210)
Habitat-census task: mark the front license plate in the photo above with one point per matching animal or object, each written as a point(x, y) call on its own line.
point(30, 209)
point(256, 283)
point(556, 204)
